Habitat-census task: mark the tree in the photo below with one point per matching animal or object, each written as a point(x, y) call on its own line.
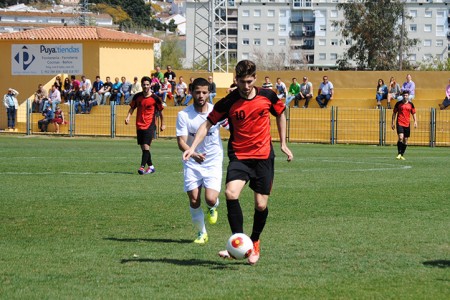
point(138, 13)
point(375, 29)
point(170, 53)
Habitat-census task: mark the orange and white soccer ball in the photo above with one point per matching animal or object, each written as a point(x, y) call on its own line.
point(239, 246)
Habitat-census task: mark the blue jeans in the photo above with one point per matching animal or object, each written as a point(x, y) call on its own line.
point(188, 99)
point(211, 97)
point(381, 96)
point(323, 100)
point(289, 100)
point(11, 112)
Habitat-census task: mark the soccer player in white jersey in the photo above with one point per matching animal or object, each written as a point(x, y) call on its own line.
point(204, 168)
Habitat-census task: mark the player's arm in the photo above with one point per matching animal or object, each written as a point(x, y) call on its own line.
point(394, 114)
point(199, 137)
point(183, 146)
point(281, 124)
point(415, 120)
point(163, 125)
point(130, 112)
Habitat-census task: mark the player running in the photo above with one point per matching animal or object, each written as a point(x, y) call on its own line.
point(250, 149)
point(403, 110)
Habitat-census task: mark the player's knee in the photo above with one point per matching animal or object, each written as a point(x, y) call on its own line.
point(231, 194)
point(260, 206)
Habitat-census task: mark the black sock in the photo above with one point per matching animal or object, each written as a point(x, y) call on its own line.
point(149, 160)
point(399, 147)
point(235, 217)
point(259, 221)
point(145, 156)
point(404, 148)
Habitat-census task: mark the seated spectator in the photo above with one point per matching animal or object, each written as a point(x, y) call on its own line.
point(86, 88)
point(96, 87)
point(135, 88)
point(325, 94)
point(105, 91)
point(67, 89)
point(180, 91)
point(49, 115)
point(233, 86)
point(116, 93)
point(382, 92)
point(212, 89)
point(393, 91)
point(189, 92)
point(281, 89)
point(58, 83)
point(267, 84)
point(54, 98)
point(59, 118)
point(75, 95)
point(410, 87)
point(40, 96)
point(446, 101)
point(125, 89)
point(155, 84)
point(306, 92)
point(294, 90)
point(165, 91)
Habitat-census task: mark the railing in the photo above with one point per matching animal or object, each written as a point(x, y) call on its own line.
point(335, 125)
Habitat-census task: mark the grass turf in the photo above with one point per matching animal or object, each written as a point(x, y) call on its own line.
point(345, 221)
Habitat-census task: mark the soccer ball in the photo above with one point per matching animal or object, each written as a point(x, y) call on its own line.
point(239, 246)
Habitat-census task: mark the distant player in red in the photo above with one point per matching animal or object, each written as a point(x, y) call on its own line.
point(403, 111)
point(250, 149)
point(148, 106)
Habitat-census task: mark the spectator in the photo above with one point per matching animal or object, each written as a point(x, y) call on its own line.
point(410, 87)
point(75, 95)
point(281, 89)
point(116, 92)
point(325, 94)
point(155, 84)
point(294, 90)
point(125, 89)
point(54, 98)
point(39, 99)
point(105, 91)
point(233, 86)
point(67, 89)
point(86, 88)
point(189, 91)
point(171, 76)
point(394, 91)
point(59, 118)
point(96, 87)
point(212, 89)
point(135, 88)
point(446, 101)
point(180, 91)
point(165, 91)
point(58, 83)
point(306, 92)
point(158, 74)
point(49, 115)
point(12, 105)
point(267, 84)
point(382, 92)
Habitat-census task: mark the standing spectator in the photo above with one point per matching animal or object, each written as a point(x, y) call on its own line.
point(180, 91)
point(171, 77)
point(212, 89)
point(49, 115)
point(40, 96)
point(267, 84)
point(54, 98)
point(393, 91)
point(125, 89)
point(67, 89)
point(116, 92)
point(294, 90)
point(325, 94)
point(382, 92)
point(410, 87)
point(204, 169)
point(250, 148)
point(135, 88)
point(403, 111)
point(105, 91)
point(148, 106)
point(59, 118)
point(281, 89)
point(446, 101)
point(189, 91)
point(12, 105)
point(306, 92)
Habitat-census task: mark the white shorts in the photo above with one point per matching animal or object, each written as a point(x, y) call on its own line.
point(208, 177)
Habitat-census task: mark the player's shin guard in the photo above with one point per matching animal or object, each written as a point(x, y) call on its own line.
point(259, 221)
point(145, 157)
point(235, 217)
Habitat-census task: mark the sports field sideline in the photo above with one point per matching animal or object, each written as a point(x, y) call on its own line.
point(345, 221)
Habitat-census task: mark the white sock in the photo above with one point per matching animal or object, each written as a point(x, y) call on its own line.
point(198, 219)
point(215, 205)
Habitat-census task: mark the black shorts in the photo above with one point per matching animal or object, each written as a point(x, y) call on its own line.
point(259, 172)
point(405, 130)
point(145, 137)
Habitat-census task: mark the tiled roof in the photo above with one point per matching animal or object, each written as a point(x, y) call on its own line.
point(48, 14)
point(79, 33)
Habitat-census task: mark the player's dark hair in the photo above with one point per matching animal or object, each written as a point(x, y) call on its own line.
point(145, 78)
point(199, 82)
point(245, 68)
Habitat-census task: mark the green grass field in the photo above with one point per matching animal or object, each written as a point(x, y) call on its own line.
point(345, 222)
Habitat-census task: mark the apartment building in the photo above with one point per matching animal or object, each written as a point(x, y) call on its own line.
point(300, 33)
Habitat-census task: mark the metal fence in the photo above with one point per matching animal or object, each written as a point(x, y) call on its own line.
point(335, 125)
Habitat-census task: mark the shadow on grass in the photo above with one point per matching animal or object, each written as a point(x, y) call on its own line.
point(147, 240)
point(437, 263)
point(186, 262)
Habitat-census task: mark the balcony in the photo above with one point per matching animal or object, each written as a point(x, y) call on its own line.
point(300, 34)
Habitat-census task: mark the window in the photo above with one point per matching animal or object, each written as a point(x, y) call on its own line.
point(297, 3)
point(427, 43)
point(270, 42)
point(283, 13)
point(308, 3)
point(281, 42)
point(257, 13)
point(270, 27)
point(334, 42)
point(413, 27)
point(246, 13)
point(322, 56)
point(333, 56)
point(427, 57)
point(440, 14)
point(439, 43)
point(245, 27)
point(322, 28)
point(282, 28)
point(428, 13)
point(245, 55)
point(257, 42)
point(257, 27)
point(348, 42)
point(271, 13)
point(428, 27)
point(413, 13)
point(412, 57)
point(333, 14)
point(322, 42)
point(333, 28)
point(245, 41)
point(440, 28)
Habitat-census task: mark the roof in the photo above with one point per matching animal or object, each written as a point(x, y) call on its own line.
point(79, 33)
point(33, 13)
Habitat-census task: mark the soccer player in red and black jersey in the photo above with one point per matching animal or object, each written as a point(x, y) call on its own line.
point(250, 149)
point(403, 111)
point(148, 105)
